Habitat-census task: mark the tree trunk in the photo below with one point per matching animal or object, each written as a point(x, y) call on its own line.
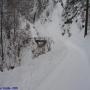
point(86, 23)
point(2, 53)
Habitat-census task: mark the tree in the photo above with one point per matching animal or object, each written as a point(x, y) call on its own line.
point(86, 23)
point(72, 10)
point(1, 14)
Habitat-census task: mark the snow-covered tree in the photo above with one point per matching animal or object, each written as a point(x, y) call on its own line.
point(73, 10)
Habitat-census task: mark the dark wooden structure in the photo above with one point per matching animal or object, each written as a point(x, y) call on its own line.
point(40, 42)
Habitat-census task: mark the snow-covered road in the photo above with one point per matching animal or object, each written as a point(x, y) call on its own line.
point(71, 74)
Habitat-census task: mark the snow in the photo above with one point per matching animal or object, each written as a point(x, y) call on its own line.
point(71, 74)
point(66, 67)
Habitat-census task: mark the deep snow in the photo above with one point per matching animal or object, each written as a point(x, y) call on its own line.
point(66, 67)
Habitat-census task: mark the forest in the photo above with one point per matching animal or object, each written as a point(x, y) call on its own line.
point(14, 37)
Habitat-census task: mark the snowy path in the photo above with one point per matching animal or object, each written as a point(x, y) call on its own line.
point(49, 73)
point(71, 74)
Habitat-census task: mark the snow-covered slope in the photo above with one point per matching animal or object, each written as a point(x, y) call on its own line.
point(66, 67)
